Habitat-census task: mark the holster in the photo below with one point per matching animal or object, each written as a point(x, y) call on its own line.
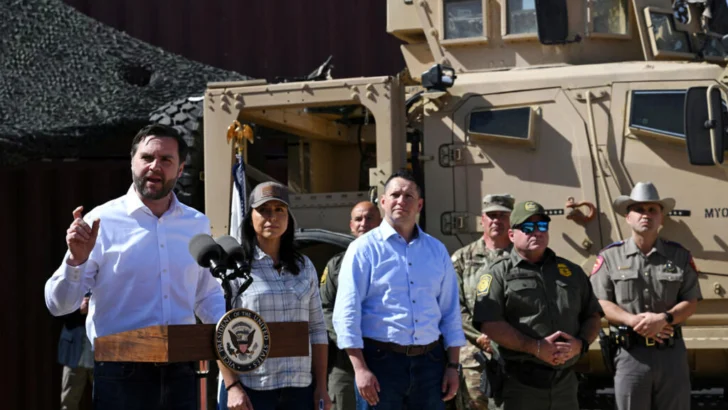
point(609, 350)
point(493, 375)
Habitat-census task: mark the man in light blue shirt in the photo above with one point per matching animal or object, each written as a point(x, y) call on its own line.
point(397, 312)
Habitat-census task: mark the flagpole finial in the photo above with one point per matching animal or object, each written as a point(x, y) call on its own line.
point(238, 133)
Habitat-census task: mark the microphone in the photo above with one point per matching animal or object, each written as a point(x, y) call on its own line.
point(235, 256)
point(208, 254)
point(236, 260)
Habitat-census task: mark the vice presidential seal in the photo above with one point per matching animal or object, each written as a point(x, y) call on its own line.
point(242, 340)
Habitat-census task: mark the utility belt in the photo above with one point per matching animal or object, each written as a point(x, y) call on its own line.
point(626, 338)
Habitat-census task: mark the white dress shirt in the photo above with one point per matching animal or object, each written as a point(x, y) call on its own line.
point(140, 271)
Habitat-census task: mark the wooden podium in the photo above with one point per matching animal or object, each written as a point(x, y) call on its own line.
point(187, 343)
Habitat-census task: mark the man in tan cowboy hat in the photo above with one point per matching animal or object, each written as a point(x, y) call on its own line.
point(467, 261)
point(647, 287)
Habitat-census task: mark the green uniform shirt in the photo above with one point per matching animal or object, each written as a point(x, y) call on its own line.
point(468, 260)
point(328, 287)
point(537, 300)
point(645, 283)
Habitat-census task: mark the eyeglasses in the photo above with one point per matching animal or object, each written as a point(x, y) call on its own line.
point(529, 227)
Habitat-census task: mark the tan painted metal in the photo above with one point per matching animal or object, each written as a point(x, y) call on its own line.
point(580, 142)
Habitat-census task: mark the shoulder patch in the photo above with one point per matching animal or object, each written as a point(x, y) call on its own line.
point(614, 244)
point(598, 264)
point(692, 264)
point(484, 284)
point(325, 275)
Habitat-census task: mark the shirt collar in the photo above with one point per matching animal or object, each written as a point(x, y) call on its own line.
point(387, 231)
point(632, 249)
point(259, 254)
point(516, 258)
point(134, 203)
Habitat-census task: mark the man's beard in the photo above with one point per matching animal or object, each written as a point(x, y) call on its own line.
point(140, 185)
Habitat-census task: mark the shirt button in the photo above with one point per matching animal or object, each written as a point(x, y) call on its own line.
point(165, 296)
point(164, 270)
point(647, 273)
point(161, 245)
point(417, 321)
point(412, 283)
point(410, 264)
point(414, 301)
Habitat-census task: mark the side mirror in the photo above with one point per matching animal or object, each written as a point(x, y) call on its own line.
point(704, 132)
point(552, 18)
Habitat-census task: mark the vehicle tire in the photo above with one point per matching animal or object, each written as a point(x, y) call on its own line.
point(185, 115)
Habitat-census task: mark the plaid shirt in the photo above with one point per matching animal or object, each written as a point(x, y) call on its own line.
point(283, 297)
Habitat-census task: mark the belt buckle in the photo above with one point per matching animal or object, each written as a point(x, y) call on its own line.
point(412, 347)
point(649, 342)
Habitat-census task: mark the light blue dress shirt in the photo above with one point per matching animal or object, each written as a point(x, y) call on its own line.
point(399, 292)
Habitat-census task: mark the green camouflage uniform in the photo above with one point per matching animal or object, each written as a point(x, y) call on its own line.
point(341, 373)
point(467, 261)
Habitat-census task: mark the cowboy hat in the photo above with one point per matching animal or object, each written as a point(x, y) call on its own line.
point(642, 192)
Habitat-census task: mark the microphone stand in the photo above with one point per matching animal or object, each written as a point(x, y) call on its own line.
point(240, 272)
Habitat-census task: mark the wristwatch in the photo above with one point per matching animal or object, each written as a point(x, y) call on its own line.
point(456, 366)
point(669, 318)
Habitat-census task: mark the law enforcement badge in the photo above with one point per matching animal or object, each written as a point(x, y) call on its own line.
point(670, 267)
point(325, 275)
point(530, 206)
point(564, 270)
point(242, 340)
point(484, 284)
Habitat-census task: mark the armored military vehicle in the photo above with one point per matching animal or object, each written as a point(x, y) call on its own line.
point(567, 102)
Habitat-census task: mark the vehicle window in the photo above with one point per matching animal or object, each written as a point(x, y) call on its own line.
point(521, 16)
point(610, 16)
point(659, 111)
point(463, 19)
point(667, 38)
point(513, 123)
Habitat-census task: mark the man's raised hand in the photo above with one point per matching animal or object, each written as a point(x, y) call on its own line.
point(81, 238)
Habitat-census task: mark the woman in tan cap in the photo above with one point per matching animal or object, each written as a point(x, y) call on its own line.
point(284, 289)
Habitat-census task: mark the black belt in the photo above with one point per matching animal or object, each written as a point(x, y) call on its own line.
point(627, 338)
point(411, 350)
point(651, 342)
point(536, 375)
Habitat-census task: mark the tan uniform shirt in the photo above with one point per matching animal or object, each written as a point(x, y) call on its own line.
point(537, 300)
point(645, 283)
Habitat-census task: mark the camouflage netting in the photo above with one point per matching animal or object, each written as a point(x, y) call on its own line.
point(68, 81)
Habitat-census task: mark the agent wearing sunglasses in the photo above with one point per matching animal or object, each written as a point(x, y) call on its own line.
point(650, 285)
point(467, 261)
point(541, 314)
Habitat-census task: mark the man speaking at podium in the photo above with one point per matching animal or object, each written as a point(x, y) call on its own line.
point(132, 252)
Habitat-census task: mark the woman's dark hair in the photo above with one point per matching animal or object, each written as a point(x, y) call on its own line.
point(289, 257)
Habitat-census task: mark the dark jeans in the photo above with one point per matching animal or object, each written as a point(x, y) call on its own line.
point(141, 386)
point(413, 382)
point(293, 398)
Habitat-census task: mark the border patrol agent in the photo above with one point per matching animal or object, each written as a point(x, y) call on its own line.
point(468, 261)
point(541, 314)
point(365, 216)
point(647, 286)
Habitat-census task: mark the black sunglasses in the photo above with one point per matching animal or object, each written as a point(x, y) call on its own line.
point(529, 227)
